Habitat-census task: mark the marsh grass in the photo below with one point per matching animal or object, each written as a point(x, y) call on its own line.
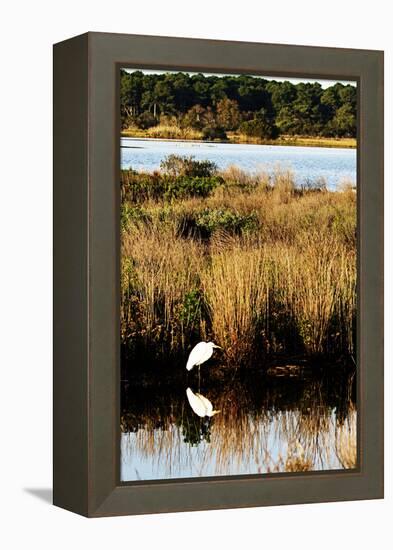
point(235, 284)
point(163, 131)
point(250, 261)
point(159, 271)
point(174, 131)
point(256, 429)
point(346, 441)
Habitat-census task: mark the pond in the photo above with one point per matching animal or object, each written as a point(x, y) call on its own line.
point(308, 164)
point(284, 419)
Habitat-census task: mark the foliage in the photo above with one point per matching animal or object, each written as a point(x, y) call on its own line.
point(191, 310)
point(210, 220)
point(203, 223)
point(215, 105)
point(139, 187)
point(228, 114)
point(176, 165)
point(197, 117)
point(188, 186)
point(146, 120)
point(261, 126)
point(130, 214)
point(214, 132)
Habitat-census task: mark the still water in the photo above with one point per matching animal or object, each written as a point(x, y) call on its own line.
point(285, 421)
point(308, 164)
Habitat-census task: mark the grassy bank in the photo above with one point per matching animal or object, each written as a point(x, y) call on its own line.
point(247, 260)
point(189, 134)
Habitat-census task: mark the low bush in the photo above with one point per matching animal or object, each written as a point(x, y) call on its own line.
point(184, 187)
point(176, 166)
point(213, 132)
point(210, 220)
point(139, 187)
point(204, 223)
point(146, 120)
point(260, 127)
point(132, 215)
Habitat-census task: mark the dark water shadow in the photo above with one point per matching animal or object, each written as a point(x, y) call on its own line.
point(153, 401)
point(44, 494)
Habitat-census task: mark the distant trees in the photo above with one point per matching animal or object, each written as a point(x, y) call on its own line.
point(262, 125)
point(228, 114)
point(340, 104)
point(198, 117)
point(145, 120)
point(257, 107)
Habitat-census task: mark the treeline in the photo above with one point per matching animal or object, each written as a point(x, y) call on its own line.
point(255, 107)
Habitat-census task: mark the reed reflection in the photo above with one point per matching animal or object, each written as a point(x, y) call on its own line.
point(280, 423)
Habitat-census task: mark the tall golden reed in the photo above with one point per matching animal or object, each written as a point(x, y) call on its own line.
point(298, 265)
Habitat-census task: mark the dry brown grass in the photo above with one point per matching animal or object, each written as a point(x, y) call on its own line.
point(173, 132)
point(233, 175)
point(236, 289)
point(158, 270)
point(298, 266)
point(319, 275)
point(346, 442)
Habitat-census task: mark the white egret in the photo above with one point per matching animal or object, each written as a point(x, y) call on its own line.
point(200, 404)
point(200, 353)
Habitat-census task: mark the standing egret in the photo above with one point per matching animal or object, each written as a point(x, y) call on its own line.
point(200, 353)
point(200, 404)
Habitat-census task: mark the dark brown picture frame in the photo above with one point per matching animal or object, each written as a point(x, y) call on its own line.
point(86, 274)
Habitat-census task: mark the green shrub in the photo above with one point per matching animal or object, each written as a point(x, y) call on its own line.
point(204, 223)
point(146, 120)
point(176, 166)
point(132, 214)
point(212, 219)
point(139, 187)
point(190, 313)
point(184, 187)
point(261, 126)
point(212, 132)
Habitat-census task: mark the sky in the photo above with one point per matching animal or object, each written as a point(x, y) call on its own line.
point(323, 82)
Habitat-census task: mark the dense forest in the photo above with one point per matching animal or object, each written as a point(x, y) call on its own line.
point(214, 106)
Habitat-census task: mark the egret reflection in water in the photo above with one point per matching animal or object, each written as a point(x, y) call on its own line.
point(200, 404)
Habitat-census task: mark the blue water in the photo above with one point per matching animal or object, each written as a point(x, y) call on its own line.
point(308, 164)
point(171, 457)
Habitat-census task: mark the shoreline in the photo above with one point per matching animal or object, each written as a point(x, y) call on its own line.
point(300, 141)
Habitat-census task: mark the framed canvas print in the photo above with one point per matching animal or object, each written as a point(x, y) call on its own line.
point(218, 274)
